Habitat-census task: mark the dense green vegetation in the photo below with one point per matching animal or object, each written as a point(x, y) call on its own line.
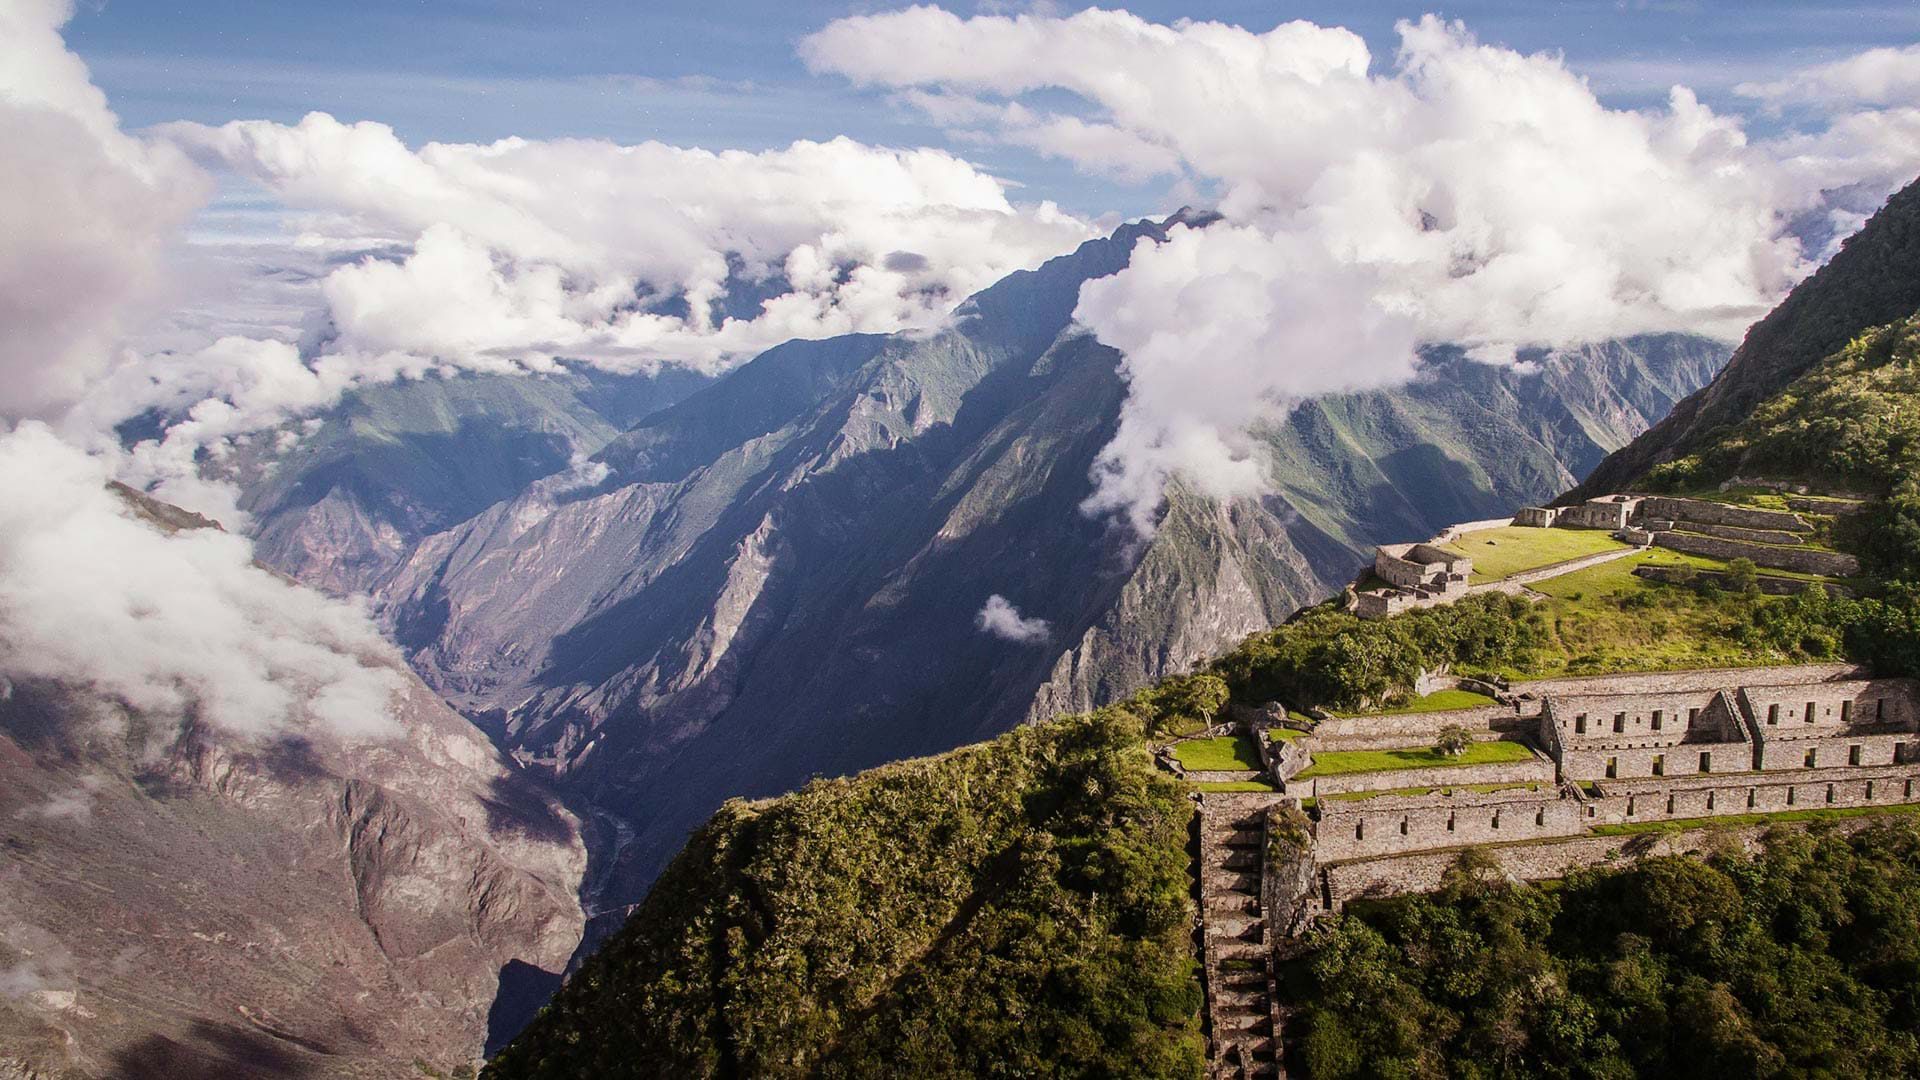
point(1847, 424)
point(1016, 908)
point(1802, 961)
point(1599, 620)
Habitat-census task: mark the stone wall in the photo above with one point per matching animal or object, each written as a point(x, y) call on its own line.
point(1752, 793)
point(1696, 679)
point(1595, 515)
point(1713, 513)
point(1779, 711)
point(1537, 517)
point(1837, 750)
point(1798, 560)
point(1538, 770)
point(1757, 536)
point(1537, 861)
point(1771, 586)
point(1390, 824)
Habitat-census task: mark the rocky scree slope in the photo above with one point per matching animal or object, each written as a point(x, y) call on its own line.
point(176, 901)
point(778, 576)
point(1874, 279)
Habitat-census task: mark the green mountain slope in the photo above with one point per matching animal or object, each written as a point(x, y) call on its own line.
point(1016, 908)
point(1872, 281)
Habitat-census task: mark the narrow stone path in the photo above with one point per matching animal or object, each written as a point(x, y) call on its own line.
point(1238, 953)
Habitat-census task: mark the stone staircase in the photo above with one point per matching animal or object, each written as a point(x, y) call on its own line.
point(1237, 952)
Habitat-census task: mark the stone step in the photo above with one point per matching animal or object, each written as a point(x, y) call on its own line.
point(1240, 982)
point(1234, 881)
point(1241, 860)
point(1232, 948)
point(1227, 899)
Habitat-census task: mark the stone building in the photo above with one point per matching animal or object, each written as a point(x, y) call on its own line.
point(1616, 749)
point(1411, 576)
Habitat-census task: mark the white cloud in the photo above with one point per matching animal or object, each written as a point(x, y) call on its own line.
point(175, 625)
point(86, 212)
point(1465, 194)
point(1001, 619)
point(1885, 76)
point(626, 256)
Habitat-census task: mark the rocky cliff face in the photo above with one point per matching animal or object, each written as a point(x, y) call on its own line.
point(391, 464)
point(779, 576)
point(177, 901)
point(1873, 280)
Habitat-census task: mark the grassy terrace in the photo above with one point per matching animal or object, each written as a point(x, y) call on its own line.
point(1603, 619)
point(1438, 701)
point(1503, 552)
point(1283, 734)
point(1481, 789)
point(1735, 820)
point(1342, 762)
point(1225, 753)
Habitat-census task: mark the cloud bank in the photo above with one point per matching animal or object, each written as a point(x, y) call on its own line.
point(176, 625)
point(87, 215)
point(999, 618)
point(1461, 193)
point(628, 256)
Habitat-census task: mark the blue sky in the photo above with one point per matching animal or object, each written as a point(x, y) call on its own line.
point(725, 74)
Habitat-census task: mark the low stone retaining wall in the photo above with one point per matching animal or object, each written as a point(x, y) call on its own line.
point(1665, 682)
point(1713, 513)
point(1396, 875)
point(1390, 824)
point(1798, 560)
point(1757, 536)
point(1771, 586)
point(1538, 770)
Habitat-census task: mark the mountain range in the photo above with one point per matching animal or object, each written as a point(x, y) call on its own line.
point(644, 622)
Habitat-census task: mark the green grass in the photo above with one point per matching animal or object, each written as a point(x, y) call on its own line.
point(1342, 762)
point(1734, 820)
point(1603, 620)
point(1231, 785)
point(1301, 718)
point(1483, 789)
point(1220, 754)
point(1285, 734)
point(1438, 701)
point(1503, 552)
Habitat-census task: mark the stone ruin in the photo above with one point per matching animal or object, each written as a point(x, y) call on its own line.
point(1610, 751)
point(1414, 575)
point(1773, 539)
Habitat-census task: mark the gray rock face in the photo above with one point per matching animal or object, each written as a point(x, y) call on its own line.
point(391, 464)
point(779, 576)
point(303, 908)
point(177, 901)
